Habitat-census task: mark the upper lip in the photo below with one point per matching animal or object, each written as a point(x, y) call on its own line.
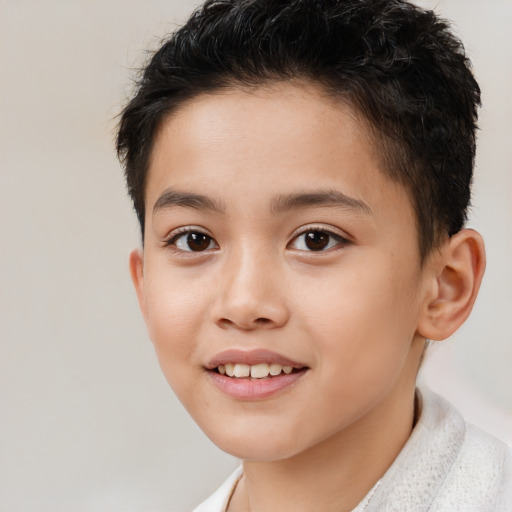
point(251, 357)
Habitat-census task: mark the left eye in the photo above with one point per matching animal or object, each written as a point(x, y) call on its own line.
point(193, 241)
point(316, 240)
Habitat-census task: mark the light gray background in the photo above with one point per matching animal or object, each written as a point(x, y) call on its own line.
point(88, 423)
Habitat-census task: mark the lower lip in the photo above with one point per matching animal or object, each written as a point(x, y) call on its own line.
point(254, 389)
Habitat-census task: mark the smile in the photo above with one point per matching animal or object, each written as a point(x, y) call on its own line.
point(253, 375)
point(254, 371)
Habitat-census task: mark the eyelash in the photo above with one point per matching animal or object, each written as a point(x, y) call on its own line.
point(190, 230)
point(186, 231)
point(341, 241)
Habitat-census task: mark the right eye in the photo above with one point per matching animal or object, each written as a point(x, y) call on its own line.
point(192, 241)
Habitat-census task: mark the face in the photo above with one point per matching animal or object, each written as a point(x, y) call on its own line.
point(280, 281)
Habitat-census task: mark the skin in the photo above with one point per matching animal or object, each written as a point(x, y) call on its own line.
point(356, 314)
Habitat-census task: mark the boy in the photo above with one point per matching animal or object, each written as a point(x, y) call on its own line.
point(301, 172)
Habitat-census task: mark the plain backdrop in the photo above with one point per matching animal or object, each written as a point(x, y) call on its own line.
point(88, 423)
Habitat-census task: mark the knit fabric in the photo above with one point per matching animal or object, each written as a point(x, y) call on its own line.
point(446, 465)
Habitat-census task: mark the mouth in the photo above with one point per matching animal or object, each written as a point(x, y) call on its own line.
point(253, 375)
point(254, 371)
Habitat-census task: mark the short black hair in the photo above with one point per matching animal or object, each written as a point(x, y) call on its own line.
point(397, 65)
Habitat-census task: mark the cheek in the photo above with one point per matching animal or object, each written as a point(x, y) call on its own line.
point(173, 310)
point(357, 321)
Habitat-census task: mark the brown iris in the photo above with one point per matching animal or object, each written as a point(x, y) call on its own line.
point(198, 241)
point(316, 240)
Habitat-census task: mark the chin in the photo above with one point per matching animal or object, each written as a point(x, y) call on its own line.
point(257, 452)
point(255, 445)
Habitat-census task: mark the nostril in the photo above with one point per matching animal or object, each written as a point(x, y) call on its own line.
point(262, 321)
point(225, 322)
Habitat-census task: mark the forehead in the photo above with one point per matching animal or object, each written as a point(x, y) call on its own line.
point(277, 139)
point(273, 120)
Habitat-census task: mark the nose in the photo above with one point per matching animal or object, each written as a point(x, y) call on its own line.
point(251, 294)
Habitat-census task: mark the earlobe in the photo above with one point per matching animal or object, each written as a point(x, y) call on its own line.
point(459, 271)
point(137, 274)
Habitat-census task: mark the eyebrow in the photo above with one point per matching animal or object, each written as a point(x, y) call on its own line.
point(171, 198)
point(321, 198)
point(281, 203)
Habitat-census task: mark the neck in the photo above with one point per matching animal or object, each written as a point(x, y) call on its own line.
point(336, 474)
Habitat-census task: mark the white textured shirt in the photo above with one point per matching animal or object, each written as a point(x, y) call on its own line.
point(447, 465)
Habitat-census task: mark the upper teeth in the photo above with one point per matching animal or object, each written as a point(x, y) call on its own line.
point(256, 371)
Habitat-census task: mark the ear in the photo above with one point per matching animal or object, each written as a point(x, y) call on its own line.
point(458, 270)
point(137, 275)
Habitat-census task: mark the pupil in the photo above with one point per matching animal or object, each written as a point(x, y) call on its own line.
point(317, 240)
point(198, 241)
